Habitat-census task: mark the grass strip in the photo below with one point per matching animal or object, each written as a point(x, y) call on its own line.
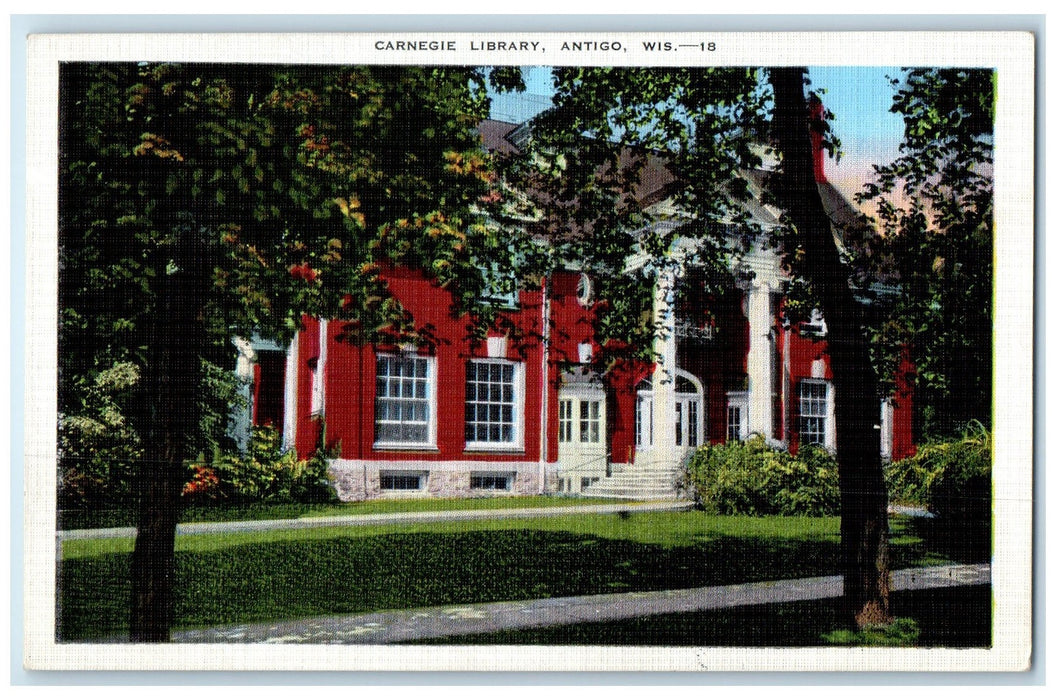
point(221, 513)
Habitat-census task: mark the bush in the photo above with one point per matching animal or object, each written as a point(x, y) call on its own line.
point(265, 472)
point(751, 478)
point(952, 479)
point(98, 449)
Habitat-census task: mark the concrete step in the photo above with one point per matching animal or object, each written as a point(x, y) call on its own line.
point(637, 483)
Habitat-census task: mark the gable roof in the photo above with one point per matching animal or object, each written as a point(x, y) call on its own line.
point(654, 182)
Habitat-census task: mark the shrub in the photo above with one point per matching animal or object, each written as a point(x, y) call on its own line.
point(751, 478)
point(952, 479)
point(98, 449)
point(265, 472)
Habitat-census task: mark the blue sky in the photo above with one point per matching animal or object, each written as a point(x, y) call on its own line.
point(860, 97)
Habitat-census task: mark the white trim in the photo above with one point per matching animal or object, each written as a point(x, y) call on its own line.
point(544, 387)
point(319, 374)
point(289, 403)
point(738, 400)
point(497, 347)
point(431, 417)
point(887, 428)
point(517, 400)
point(829, 437)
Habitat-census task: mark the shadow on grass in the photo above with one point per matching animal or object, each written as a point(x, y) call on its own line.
point(966, 541)
point(293, 579)
point(348, 575)
point(950, 618)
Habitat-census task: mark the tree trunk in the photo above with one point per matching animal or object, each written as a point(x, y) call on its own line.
point(175, 381)
point(863, 494)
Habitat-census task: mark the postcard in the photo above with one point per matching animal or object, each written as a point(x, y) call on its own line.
point(508, 351)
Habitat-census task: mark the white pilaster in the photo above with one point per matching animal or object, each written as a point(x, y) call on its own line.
point(760, 363)
point(664, 452)
point(289, 419)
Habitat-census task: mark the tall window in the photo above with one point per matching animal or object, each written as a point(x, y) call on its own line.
point(494, 390)
point(736, 415)
point(643, 415)
point(404, 401)
point(813, 412)
point(733, 423)
point(564, 420)
point(590, 421)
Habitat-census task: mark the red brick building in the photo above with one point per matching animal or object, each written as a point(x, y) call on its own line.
point(526, 412)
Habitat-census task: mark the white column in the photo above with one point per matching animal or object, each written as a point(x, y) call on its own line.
point(760, 364)
point(242, 420)
point(289, 419)
point(664, 452)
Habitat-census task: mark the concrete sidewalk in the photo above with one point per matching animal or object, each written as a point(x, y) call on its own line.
point(432, 623)
point(414, 517)
point(385, 519)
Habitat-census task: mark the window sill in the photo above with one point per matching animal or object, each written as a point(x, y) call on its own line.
point(508, 448)
point(404, 447)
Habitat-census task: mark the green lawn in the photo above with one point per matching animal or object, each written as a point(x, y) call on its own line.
point(218, 513)
point(245, 577)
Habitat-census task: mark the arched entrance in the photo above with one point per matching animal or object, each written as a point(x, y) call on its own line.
point(687, 416)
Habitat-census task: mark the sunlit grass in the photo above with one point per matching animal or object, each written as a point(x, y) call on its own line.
point(223, 512)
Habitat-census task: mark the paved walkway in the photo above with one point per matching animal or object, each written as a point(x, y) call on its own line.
point(385, 519)
point(413, 517)
point(432, 623)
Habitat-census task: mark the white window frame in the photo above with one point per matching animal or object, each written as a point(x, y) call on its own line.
point(564, 420)
point(585, 291)
point(486, 476)
point(737, 400)
point(887, 426)
point(421, 476)
point(590, 417)
point(516, 441)
point(829, 434)
point(643, 424)
point(816, 326)
point(430, 402)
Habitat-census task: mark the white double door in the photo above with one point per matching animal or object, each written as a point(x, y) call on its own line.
point(581, 434)
point(685, 425)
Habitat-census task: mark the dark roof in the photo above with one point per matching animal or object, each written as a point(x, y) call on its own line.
point(495, 135)
point(654, 181)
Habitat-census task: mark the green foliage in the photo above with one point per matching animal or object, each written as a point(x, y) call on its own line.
point(98, 448)
point(244, 197)
point(903, 632)
point(934, 209)
point(601, 140)
point(267, 473)
point(751, 478)
point(952, 479)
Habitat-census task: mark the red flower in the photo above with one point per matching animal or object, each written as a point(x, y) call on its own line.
point(203, 481)
point(303, 272)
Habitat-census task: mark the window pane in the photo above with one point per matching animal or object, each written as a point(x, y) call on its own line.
point(491, 412)
point(401, 405)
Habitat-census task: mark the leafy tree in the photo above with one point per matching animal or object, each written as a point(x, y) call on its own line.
point(934, 209)
point(199, 202)
point(711, 128)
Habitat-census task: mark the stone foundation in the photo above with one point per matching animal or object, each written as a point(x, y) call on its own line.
point(359, 480)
